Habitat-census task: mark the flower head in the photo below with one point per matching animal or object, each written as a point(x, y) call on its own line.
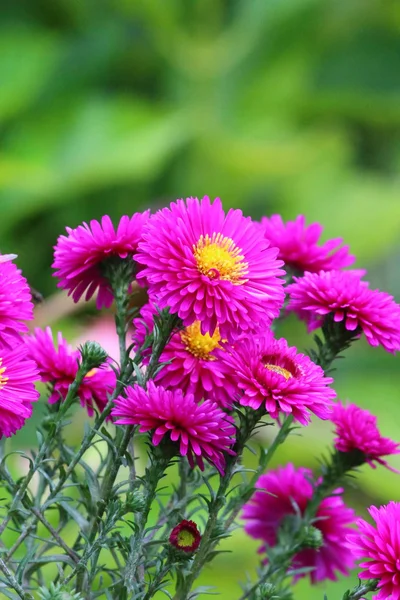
point(280, 494)
point(79, 255)
point(356, 429)
point(202, 431)
point(271, 373)
point(299, 248)
point(15, 302)
point(210, 267)
point(191, 361)
point(380, 546)
point(185, 536)
point(58, 366)
point(350, 300)
point(17, 388)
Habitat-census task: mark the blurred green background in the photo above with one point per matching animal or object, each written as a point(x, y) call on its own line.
point(290, 106)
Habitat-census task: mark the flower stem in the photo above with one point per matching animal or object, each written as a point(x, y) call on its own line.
point(207, 543)
point(159, 463)
point(361, 589)
point(336, 339)
point(13, 582)
point(245, 494)
point(46, 445)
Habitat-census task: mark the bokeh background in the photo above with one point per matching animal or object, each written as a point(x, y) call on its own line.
point(289, 106)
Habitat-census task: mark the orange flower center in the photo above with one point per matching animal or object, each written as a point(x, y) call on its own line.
point(218, 257)
point(198, 344)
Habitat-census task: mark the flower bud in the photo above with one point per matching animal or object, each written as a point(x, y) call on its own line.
point(313, 538)
point(185, 536)
point(93, 355)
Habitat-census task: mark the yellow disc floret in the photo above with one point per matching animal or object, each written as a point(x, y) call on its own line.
point(218, 257)
point(91, 373)
point(185, 538)
point(3, 380)
point(198, 344)
point(276, 369)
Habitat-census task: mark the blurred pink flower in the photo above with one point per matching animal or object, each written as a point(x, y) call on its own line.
point(299, 246)
point(277, 494)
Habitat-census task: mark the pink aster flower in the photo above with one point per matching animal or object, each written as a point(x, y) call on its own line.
point(350, 300)
point(210, 267)
point(58, 365)
point(278, 493)
point(17, 388)
point(191, 361)
point(270, 373)
point(79, 255)
point(299, 246)
point(380, 546)
point(15, 301)
point(356, 429)
point(202, 431)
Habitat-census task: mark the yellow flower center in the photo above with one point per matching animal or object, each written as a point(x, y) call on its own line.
point(276, 369)
point(91, 373)
point(3, 380)
point(198, 344)
point(185, 538)
point(218, 257)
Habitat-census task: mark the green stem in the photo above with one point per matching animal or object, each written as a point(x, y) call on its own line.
point(120, 279)
point(204, 548)
point(53, 432)
point(153, 587)
point(244, 495)
point(207, 544)
point(360, 590)
point(152, 477)
point(336, 339)
point(13, 582)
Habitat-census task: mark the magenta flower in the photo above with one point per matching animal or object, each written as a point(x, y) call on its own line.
point(79, 255)
point(350, 300)
point(299, 248)
point(210, 267)
point(380, 546)
point(278, 493)
point(270, 373)
point(58, 366)
point(15, 302)
point(17, 388)
point(202, 431)
point(192, 363)
point(356, 429)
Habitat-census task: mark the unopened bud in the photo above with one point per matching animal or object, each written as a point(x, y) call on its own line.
point(313, 538)
point(93, 355)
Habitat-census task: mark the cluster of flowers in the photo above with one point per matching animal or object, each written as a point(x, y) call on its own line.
point(223, 276)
